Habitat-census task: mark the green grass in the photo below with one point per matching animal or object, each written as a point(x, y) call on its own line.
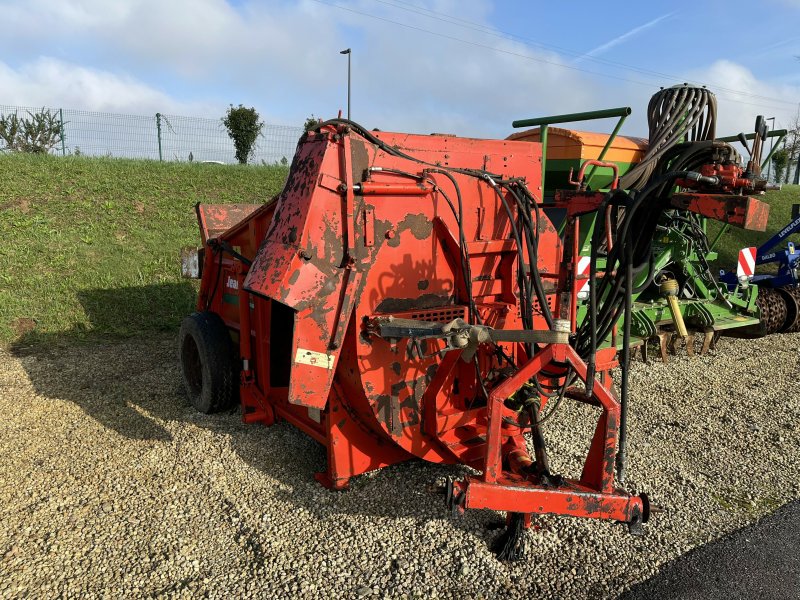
point(780, 214)
point(90, 247)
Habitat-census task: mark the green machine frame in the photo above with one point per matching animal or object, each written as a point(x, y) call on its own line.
point(710, 307)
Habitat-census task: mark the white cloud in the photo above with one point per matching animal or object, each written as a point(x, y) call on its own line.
point(737, 111)
point(54, 83)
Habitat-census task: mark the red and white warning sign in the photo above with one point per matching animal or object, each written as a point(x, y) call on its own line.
point(583, 269)
point(747, 262)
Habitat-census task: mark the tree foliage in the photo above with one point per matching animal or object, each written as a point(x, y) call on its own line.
point(780, 159)
point(38, 133)
point(244, 126)
point(310, 123)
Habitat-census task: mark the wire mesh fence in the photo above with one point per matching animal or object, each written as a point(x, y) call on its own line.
point(159, 136)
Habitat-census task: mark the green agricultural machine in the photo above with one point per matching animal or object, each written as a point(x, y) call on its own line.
point(676, 296)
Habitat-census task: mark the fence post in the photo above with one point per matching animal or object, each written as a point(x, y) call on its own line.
point(61, 118)
point(158, 125)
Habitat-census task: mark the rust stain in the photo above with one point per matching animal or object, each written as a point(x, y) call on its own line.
point(420, 225)
point(359, 158)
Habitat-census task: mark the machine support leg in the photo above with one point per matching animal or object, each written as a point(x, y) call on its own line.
point(708, 340)
point(493, 465)
point(626, 368)
point(522, 489)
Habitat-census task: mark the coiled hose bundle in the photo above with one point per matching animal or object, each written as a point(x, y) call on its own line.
point(675, 114)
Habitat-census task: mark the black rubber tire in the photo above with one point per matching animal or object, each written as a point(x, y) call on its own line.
point(207, 359)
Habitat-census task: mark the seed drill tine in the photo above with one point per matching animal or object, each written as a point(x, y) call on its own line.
point(708, 340)
point(663, 340)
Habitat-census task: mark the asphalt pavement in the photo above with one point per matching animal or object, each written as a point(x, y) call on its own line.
point(759, 562)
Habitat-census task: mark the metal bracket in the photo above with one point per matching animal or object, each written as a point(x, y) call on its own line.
point(459, 334)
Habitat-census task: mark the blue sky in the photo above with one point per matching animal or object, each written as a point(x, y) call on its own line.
point(468, 67)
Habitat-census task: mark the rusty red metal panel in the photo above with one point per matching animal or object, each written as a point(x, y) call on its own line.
point(514, 495)
point(578, 202)
point(299, 264)
point(743, 211)
point(216, 219)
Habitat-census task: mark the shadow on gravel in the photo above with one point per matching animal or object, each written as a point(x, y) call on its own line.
point(85, 365)
point(133, 387)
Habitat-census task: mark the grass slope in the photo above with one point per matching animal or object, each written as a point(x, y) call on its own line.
point(780, 215)
point(91, 246)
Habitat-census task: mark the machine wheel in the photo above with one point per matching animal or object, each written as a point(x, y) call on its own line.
point(773, 309)
point(791, 309)
point(207, 362)
point(794, 291)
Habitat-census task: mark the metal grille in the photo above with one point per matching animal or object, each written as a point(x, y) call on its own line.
point(437, 315)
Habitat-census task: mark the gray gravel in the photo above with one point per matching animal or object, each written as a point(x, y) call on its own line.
point(111, 485)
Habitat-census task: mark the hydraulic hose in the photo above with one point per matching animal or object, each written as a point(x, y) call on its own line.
point(681, 112)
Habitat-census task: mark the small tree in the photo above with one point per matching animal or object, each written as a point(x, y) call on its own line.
point(310, 123)
point(780, 159)
point(38, 133)
point(244, 126)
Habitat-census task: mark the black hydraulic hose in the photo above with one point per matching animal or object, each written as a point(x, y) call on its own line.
point(609, 313)
point(534, 282)
point(528, 308)
point(569, 378)
point(611, 316)
point(539, 445)
point(633, 228)
point(622, 255)
point(651, 273)
point(537, 281)
point(373, 139)
point(626, 360)
point(465, 266)
point(226, 247)
point(532, 240)
point(673, 114)
point(638, 200)
point(532, 251)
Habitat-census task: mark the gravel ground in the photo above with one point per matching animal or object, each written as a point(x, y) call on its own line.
point(111, 485)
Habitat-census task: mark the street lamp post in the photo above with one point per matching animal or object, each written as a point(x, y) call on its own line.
point(348, 80)
point(771, 143)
